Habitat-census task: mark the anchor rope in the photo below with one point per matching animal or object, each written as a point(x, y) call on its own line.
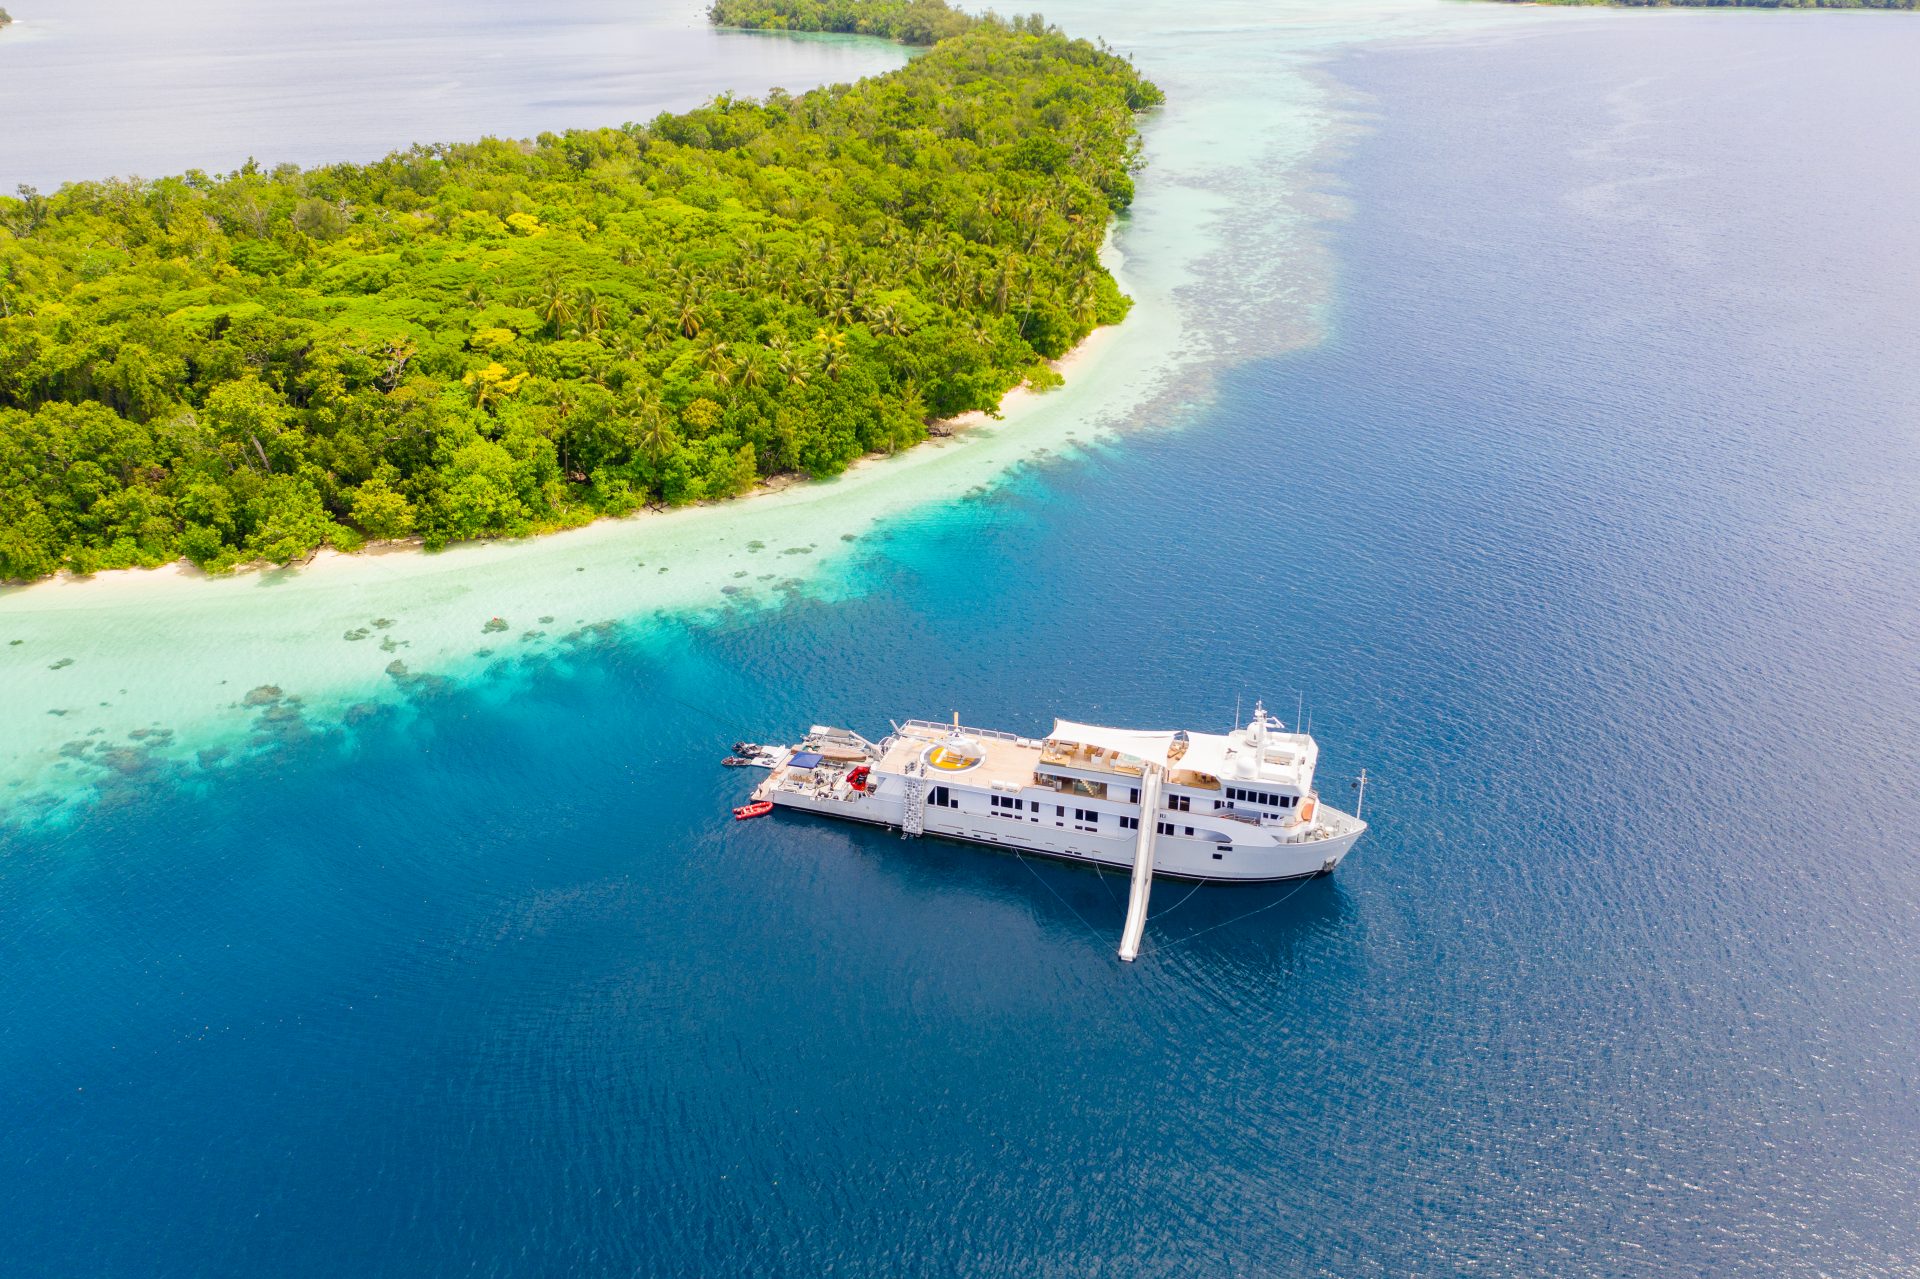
point(1279, 901)
point(1198, 884)
point(1056, 893)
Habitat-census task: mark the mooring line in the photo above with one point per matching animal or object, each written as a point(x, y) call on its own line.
point(1198, 884)
point(1056, 893)
point(1236, 919)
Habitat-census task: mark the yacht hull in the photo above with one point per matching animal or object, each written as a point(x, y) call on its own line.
point(1175, 856)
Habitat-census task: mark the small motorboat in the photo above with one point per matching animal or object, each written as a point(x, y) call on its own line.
point(747, 748)
point(759, 809)
point(734, 761)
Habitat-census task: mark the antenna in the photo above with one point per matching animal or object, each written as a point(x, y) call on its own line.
point(1299, 709)
point(1361, 802)
point(1236, 710)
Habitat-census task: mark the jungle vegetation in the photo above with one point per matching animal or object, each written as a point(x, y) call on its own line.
point(501, 338)
point(908, 21)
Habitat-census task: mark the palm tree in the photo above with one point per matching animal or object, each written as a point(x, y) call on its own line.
point(656, 431)
point(593, 311)
point(786, 361)
point(690, 299)
point(718, 364)
point(1086, 307)
point(556, 304)
point(833, 356)
point(1003, 287)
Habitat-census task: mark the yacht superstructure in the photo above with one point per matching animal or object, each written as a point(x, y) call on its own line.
point(1214, 806)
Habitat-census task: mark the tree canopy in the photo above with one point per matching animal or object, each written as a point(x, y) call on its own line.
point(908, 21)
point(500, 338)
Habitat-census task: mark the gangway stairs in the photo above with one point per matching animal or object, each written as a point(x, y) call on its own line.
point(914, 820)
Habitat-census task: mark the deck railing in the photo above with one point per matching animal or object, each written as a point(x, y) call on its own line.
point(945, 729)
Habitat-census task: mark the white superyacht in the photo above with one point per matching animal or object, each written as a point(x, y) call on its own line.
point(1210, 806)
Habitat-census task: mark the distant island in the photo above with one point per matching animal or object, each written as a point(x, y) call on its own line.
point(5, 18)
point(1736, 4)
point(501, 338)
point(921, 22)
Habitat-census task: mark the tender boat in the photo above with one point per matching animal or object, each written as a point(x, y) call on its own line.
point(759, 808)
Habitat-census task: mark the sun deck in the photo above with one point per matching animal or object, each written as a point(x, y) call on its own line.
point(1004, 760)
point(1090, 759)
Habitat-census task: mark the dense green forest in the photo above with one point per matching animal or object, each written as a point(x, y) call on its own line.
point(908, 21)
point(499, 338)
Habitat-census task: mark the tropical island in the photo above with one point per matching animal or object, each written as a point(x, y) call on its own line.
point(5, 18)
point(501, 338)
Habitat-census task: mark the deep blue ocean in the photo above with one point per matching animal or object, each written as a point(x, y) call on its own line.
point(1592, 530)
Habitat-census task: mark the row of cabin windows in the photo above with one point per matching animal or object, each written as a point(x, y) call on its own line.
point(1008, 806)
point(942, 797)
point(1168, 828)
point(1268, 798)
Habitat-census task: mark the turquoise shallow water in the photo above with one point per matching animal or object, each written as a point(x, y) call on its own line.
point(1588, 525)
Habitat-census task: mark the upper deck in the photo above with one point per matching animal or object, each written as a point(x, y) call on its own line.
point(1091, 759)
point(1260, 754)
point(1003, 760)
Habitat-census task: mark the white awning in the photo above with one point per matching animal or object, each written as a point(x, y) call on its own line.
point(1209, 753)
point(1151, 747)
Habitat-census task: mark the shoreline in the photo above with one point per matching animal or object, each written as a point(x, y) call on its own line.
point(328, 560)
